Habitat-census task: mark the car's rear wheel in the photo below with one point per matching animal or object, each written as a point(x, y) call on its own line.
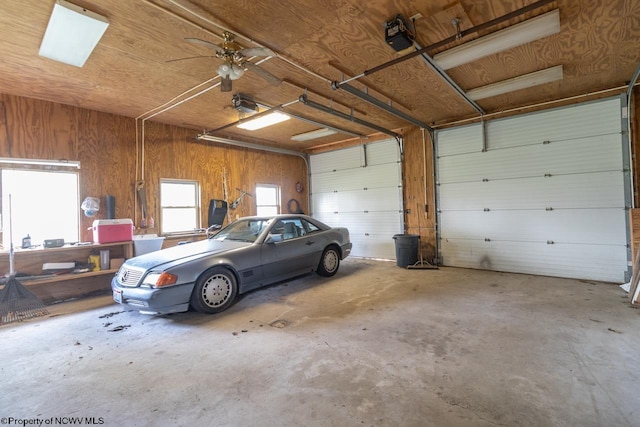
point(215, 291)
point(329, 262)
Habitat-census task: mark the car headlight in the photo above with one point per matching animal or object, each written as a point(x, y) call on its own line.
point(158, 280)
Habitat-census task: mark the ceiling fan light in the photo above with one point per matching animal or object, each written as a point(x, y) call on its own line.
point(235, 72)
point(224, 70)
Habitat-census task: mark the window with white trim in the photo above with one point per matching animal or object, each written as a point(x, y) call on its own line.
point(179, 206)
point(44, 204)
point(267, 199)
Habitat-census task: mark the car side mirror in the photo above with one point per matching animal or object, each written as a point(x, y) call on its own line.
point(273, 238)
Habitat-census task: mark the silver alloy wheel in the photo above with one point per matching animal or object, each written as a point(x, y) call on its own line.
point(331, 261)
point(216, 290)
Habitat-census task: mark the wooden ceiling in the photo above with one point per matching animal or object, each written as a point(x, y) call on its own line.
point(316, 42)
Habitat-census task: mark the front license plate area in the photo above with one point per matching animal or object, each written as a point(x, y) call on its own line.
point(117, 296)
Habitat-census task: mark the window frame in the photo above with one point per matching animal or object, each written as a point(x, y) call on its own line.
point(40, 166)
point(277, 197)
point(196, 208)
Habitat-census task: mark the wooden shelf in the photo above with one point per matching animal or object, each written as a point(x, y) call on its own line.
point(29, 261)
point(38, 280)
point(71, 248)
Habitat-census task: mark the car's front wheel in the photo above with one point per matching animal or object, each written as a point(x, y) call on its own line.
point(215, 291)
point(329, 262)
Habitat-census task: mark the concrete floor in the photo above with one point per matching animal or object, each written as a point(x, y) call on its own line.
point(376, 345)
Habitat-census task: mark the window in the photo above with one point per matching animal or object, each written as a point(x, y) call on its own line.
point(44, 205)
point(289, 229)
point(310, 227)
point(179, 205)
point(243, 230)
point(267, 199)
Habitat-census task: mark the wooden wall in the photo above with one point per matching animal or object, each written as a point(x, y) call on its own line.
point(105, 145)
point(172, 152)
point(418, 176)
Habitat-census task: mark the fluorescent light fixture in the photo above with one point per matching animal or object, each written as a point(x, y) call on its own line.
point(510, 37)
point(318, 133)
point(525, 81)
point(72, 34)
point(264, 121)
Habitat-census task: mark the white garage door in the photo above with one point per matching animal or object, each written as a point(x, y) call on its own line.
point(547, 196)
point(360, 188)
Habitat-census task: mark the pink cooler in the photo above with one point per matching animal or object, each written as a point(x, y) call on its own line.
point(112, 230)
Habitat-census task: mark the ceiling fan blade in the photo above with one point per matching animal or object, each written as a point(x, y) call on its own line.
point(206, 43)
point(191, 57)
point(270, 78)
point(256, 51)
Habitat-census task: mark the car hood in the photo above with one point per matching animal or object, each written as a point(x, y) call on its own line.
point(183, 253)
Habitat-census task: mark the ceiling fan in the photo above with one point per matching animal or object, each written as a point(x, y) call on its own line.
point(236, 60)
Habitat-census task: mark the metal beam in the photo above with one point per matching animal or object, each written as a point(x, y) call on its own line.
point(227, 141)
point(374, 101)
point(303, 99)
point(444, 76)
point(281, 107)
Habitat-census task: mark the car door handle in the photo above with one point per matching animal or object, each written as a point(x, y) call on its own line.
point(309, 242)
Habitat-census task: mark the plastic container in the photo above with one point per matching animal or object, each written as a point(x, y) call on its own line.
point(104, 259)
point(112, 230)
point(406, 249)
point(146, 243)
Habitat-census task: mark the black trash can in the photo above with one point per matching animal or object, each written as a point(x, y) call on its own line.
point(406, 249)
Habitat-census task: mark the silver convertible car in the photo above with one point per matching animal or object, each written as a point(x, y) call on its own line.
point(249, 253)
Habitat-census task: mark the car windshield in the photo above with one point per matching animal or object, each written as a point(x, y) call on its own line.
point(244, 230)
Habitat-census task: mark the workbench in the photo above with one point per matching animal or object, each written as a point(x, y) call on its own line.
point(30, 261)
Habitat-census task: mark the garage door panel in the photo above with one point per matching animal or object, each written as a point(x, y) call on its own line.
point(381, 153)
point(589, 154)
point(349, 158)
point(592, 262)
point(556, 125)
point(374, 199)
point(465, 139)
point(368, 240)
point(324, 202)
point(373, 223)
point(589, 226)
point(593, 190)
point(372, 247)
point(376, 176)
